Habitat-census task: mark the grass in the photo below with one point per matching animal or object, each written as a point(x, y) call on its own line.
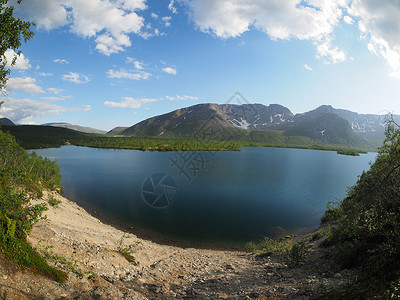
point(67, 262)
point(266, 247)
point(127, 251)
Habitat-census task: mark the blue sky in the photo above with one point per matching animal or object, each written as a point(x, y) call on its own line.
point(108, 63)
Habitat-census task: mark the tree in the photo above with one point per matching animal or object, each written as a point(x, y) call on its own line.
point(13, 31)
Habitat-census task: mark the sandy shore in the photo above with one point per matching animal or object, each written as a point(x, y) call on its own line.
point(87, 249)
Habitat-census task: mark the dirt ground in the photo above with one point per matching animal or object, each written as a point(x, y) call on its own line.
point(90, 252)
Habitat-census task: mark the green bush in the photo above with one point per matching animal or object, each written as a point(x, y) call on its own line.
point(266, 247)
point(23, 177)
point(297, 254)
point(367, 222)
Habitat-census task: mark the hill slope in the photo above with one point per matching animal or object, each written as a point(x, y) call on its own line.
point(76, 127)
point(6, 122)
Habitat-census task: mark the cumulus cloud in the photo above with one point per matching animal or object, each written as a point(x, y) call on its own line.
point(21, 63)
point(75, 78)
point(123, 74)
point(108, 21)
point(170, 70)
point(27, 85)
point(281, 20)
point(307, 67)
point(24, 110)
point(331, 53)
point(379, 21)
point(181, 98)
point(129, 102)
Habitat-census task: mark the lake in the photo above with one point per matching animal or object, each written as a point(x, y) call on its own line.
point(208, 198)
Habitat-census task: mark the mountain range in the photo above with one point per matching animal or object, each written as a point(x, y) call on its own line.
point(257, 122)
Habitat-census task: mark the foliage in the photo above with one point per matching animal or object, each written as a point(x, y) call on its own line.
point(267, 247)
point(67, 262)
point(367, 222)
point(333, 212)
point(13, 31)
point(23, 176)
point(297, 254)
point(53, 201)
point(127, 252)
point(35, 137)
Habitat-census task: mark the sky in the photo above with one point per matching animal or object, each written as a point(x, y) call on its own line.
point(108, 63)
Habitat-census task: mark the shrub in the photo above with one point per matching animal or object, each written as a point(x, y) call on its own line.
point(367, 221)
point(297, 254)
point(23, 176)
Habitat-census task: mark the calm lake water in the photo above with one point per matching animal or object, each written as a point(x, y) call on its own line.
point(224, 198)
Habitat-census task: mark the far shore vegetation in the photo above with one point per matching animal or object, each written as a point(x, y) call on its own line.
point(38, 137)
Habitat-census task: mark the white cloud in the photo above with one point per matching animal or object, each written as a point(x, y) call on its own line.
point(55, 98)
point(84, 109)
point(51, 98)
point(138, 65)
point(54, 91)
point(307, 67)
point(122, 74)
point(46, 74)
point(61, 61)
point(166, 21)
point(108, 21)
point(312, 20)
point(349, 20)
point(379, 20)
point(22, 111)
point(75, 78)
point(171, 7)
point(170, 70)
point(22, 63)
point(154, 16)
point(26, 85)
point(129, 102)
point(181, 98)
point(330, 53)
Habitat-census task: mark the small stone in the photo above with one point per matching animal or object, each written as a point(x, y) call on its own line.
point(338, 275)
point(5, 277)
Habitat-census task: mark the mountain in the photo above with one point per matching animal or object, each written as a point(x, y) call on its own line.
point(323, 123)
point(116, 130)
point(251, 122)
point(76, 127)
point(183, 122)
point(6, 122)
point(257, 116)
point(367, 126)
